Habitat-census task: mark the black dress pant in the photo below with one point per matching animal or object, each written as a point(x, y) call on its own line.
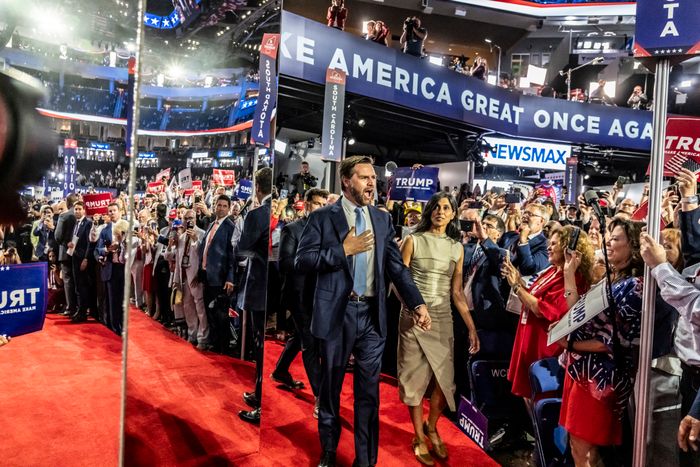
point(257, 321)
point(305, 342)
point(115, 293)
point(360, 336)
point(83, 279)
point(217, 316)
point(162, 276)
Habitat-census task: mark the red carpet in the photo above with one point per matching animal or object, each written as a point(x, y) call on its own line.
point(60, 404)
point(290, 435)
point(59, 396)
point(182, 404)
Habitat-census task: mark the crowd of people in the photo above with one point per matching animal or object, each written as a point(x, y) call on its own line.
point(469, 274)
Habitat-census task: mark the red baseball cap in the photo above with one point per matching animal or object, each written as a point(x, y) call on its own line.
point(299, 205)
point(172, 214)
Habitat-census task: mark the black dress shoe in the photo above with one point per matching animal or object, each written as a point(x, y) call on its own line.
point(251, 400)
point(78, 318)
point(67, 313)
point(287, 381)
point(252, 416)
point(327, 459)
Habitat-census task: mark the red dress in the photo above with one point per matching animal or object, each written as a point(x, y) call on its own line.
point(531, 337)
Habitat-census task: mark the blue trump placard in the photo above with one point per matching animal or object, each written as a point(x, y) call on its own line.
point(667, 28)
point(23, 290)
point(245, 189)
point(408, 184)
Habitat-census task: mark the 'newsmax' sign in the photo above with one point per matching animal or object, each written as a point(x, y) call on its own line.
point(526, 154)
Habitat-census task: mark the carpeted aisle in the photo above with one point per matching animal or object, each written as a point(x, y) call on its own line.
point(182, 404)
point(290, 436)
point(59, 396)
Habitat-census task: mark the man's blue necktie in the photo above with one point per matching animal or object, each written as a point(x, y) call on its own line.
point(360, 274)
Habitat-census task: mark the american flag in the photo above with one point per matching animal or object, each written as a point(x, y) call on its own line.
point(674, 161)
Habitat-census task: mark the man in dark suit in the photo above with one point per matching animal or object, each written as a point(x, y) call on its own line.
point(82, 250)
point(485, 289)
point(254, 245)
point(303, 180)
point(63, 235)
point(297, 296)
point(108, 252)
point(216, 267)
point(350, 246)
point(528, 246)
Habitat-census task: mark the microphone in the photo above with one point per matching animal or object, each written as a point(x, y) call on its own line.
point(598, 59)
point(391, 167)
point(592, 200)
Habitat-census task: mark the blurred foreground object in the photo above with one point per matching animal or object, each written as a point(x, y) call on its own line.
point(27, 144)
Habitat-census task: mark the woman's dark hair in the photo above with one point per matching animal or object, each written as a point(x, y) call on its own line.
point(633, 230)
point(425, 223)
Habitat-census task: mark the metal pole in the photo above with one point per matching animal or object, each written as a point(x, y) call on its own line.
point(133, 137)
point(642, 399)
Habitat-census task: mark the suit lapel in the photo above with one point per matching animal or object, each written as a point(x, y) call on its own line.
point(340, 224)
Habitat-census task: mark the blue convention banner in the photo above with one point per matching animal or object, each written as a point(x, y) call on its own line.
point(667, 28)
point(23, 298)
point(309, 48)
point(267, 97)
point(69, 161)
point(413, 185)
point(245, 189)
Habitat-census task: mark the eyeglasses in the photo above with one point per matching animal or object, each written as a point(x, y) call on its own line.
point(488, 226)
point(532, 214)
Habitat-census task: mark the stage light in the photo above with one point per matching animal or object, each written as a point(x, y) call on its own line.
point(351, 140)
point(488, 41)
point(686, 83)
point(361, 122)
point(435, 60)
point(175, 71)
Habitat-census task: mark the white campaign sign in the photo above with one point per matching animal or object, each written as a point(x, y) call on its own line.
point(185, 178)
point(588, 307)
point(526, 154)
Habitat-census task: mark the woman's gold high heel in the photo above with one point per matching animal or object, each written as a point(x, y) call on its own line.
point(438, 446)
point(423, 455)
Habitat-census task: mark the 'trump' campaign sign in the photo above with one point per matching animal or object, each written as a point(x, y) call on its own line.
point(96, 203)
point(682, 148)
point(667, 28)
point(23, 289)
point(526, 154)
point(333, 115)
point(267, 98)
point(414, 185)
point(224, 177)
point(308, 49)
point(245, 189)
point(473, 423)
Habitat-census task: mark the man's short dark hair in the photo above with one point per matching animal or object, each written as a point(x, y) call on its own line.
point(71, 199)
point(347, 165)
point(224, 198)
point(161, 209)
point(263, 180)
point(304, 163)
point(113, 203)
point(79, 203)
point(309, 195)
point(500, 225)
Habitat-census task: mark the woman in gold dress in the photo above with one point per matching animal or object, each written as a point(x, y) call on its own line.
point(435, 256)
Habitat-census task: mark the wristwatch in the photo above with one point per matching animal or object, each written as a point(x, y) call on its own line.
point(690, 199)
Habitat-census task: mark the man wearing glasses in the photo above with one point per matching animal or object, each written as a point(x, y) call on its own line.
point(626, 209)
point(530, 249)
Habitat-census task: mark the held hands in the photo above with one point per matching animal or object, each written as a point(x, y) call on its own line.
point(652, 252)
point(421, 318)
point(572, 260)
point(687, 183)
point(480, 232)
point(509, 272)
point(228, 287)
point(353, 244)
point(688, 433)
point(524, 233)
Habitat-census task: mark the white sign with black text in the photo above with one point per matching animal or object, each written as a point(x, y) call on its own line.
point(594, 302)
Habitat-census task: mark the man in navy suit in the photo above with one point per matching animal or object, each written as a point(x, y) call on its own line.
point(216, 267)
point(350, 246)
point(108, 252)
point(297, 297)
point(63, 235)
point(81, 250)
point(254, 245)
point(529, 245)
